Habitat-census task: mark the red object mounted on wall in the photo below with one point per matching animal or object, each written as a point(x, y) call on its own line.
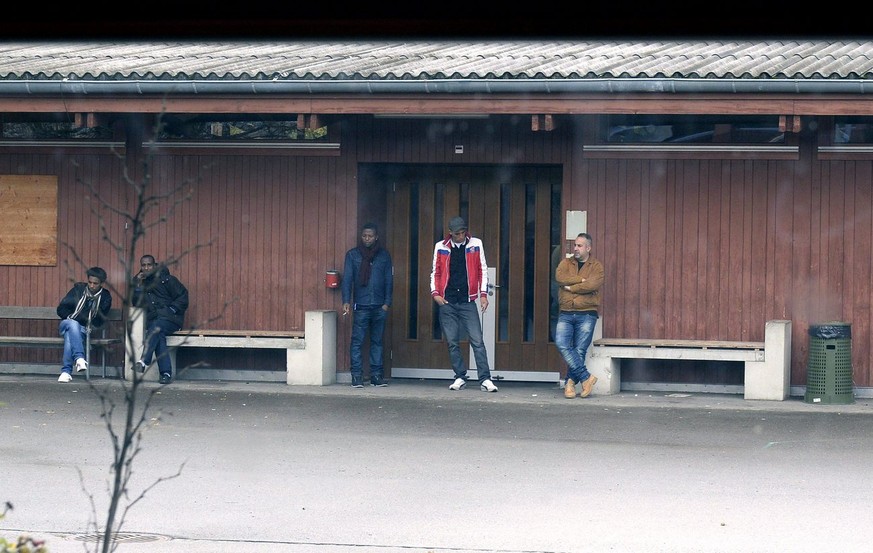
point(332, 279)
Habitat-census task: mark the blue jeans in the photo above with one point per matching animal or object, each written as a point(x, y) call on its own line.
point(573, 336)
point(156, 344)
point(456, 318)
point(372, 318)
point(74, 340)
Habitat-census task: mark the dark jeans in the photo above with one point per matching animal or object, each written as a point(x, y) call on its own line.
point(455, 318)
point(372, 319)
point(156, 344)
point(573, 336)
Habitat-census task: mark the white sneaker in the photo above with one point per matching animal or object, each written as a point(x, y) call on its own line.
point(81, 365)
point(458, 384)
point(65, 377)
point(488, 386)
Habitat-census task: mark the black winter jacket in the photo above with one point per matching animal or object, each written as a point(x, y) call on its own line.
point(71, 300)
point(162, 296)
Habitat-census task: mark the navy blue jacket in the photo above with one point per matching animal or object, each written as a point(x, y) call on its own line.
point(380, 289)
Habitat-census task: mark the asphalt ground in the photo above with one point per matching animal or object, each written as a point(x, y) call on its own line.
point(417, 468)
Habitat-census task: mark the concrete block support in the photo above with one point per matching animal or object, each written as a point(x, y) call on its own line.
point(606, 369)
point(315, 365)
point(769, 379)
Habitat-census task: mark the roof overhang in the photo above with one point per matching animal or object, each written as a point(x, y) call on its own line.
point(446, 97)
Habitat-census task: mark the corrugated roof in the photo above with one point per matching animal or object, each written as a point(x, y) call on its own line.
point(422, 60)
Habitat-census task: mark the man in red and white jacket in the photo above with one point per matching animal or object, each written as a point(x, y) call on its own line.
point(458, 277)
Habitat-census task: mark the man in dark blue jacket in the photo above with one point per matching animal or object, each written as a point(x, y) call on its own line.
point(164, 300)
point(83, 309)
point(368, 278)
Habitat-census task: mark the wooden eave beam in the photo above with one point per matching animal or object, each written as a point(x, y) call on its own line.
point(460, 105)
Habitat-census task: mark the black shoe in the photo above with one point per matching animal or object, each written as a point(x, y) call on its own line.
point(377, 382)
point(357, 382)
point(166, 378)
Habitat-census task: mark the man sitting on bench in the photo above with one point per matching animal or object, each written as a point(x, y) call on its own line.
point(83, 309)
point(165, 300)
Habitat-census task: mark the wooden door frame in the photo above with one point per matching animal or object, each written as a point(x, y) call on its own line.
point(375, 175)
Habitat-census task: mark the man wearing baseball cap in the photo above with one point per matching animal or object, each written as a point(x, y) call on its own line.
point(458, 277)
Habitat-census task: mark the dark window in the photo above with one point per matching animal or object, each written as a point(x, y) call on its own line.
point(691, 129)
point(236, 127)
point(51, 127)
point(853, 130)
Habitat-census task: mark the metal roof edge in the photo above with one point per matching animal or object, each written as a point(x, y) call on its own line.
point(439, 86)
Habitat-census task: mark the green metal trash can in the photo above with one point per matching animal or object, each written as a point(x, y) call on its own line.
point(829, 371)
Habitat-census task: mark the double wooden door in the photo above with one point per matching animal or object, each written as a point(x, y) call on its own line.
point(516, 212)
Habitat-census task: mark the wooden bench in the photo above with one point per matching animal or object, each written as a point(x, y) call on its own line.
point(102, 341)
point(310, 355)
point(767, 364)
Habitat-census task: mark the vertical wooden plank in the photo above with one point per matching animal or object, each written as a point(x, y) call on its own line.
point(693, 271)
point(627, 207)
point(837, 228)
point(758, 261)
point(862, 275)
point(726, 268)
point(401, 249)
point(640, 284)
point(429, 189)
point(742, 327)
point(542, 257)
point(516, 182)
point(716, 248)
point(658, 242)
point(617, 200)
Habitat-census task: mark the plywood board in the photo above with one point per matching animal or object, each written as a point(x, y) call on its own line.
point(29, 212)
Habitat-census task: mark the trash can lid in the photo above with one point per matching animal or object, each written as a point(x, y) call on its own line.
point(831, 330)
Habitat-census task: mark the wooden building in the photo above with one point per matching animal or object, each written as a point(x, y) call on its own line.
point(725, 184)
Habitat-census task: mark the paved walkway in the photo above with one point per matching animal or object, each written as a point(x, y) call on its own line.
point(533, 392)
point(417, 468)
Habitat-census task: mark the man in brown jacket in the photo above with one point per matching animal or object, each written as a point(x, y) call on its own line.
point(579, 279)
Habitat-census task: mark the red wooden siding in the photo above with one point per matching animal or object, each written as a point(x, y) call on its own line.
point(694, 248)
point(711, 249)
point(255, 239)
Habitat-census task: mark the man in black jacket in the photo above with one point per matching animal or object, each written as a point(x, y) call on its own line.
point(164, 300)
point(83, 309)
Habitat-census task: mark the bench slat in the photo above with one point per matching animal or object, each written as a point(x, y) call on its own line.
point(663, 343)
point(46, 341)
point(35, 341)
point(678, 354)
point(256, 342)
point(20, 312)
point(26, 312)
point(242, 333)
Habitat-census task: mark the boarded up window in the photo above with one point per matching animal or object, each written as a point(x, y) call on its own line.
point(29, 212)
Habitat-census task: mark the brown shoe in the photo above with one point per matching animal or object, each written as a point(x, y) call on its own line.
point(570, 389)
point(587, 385)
